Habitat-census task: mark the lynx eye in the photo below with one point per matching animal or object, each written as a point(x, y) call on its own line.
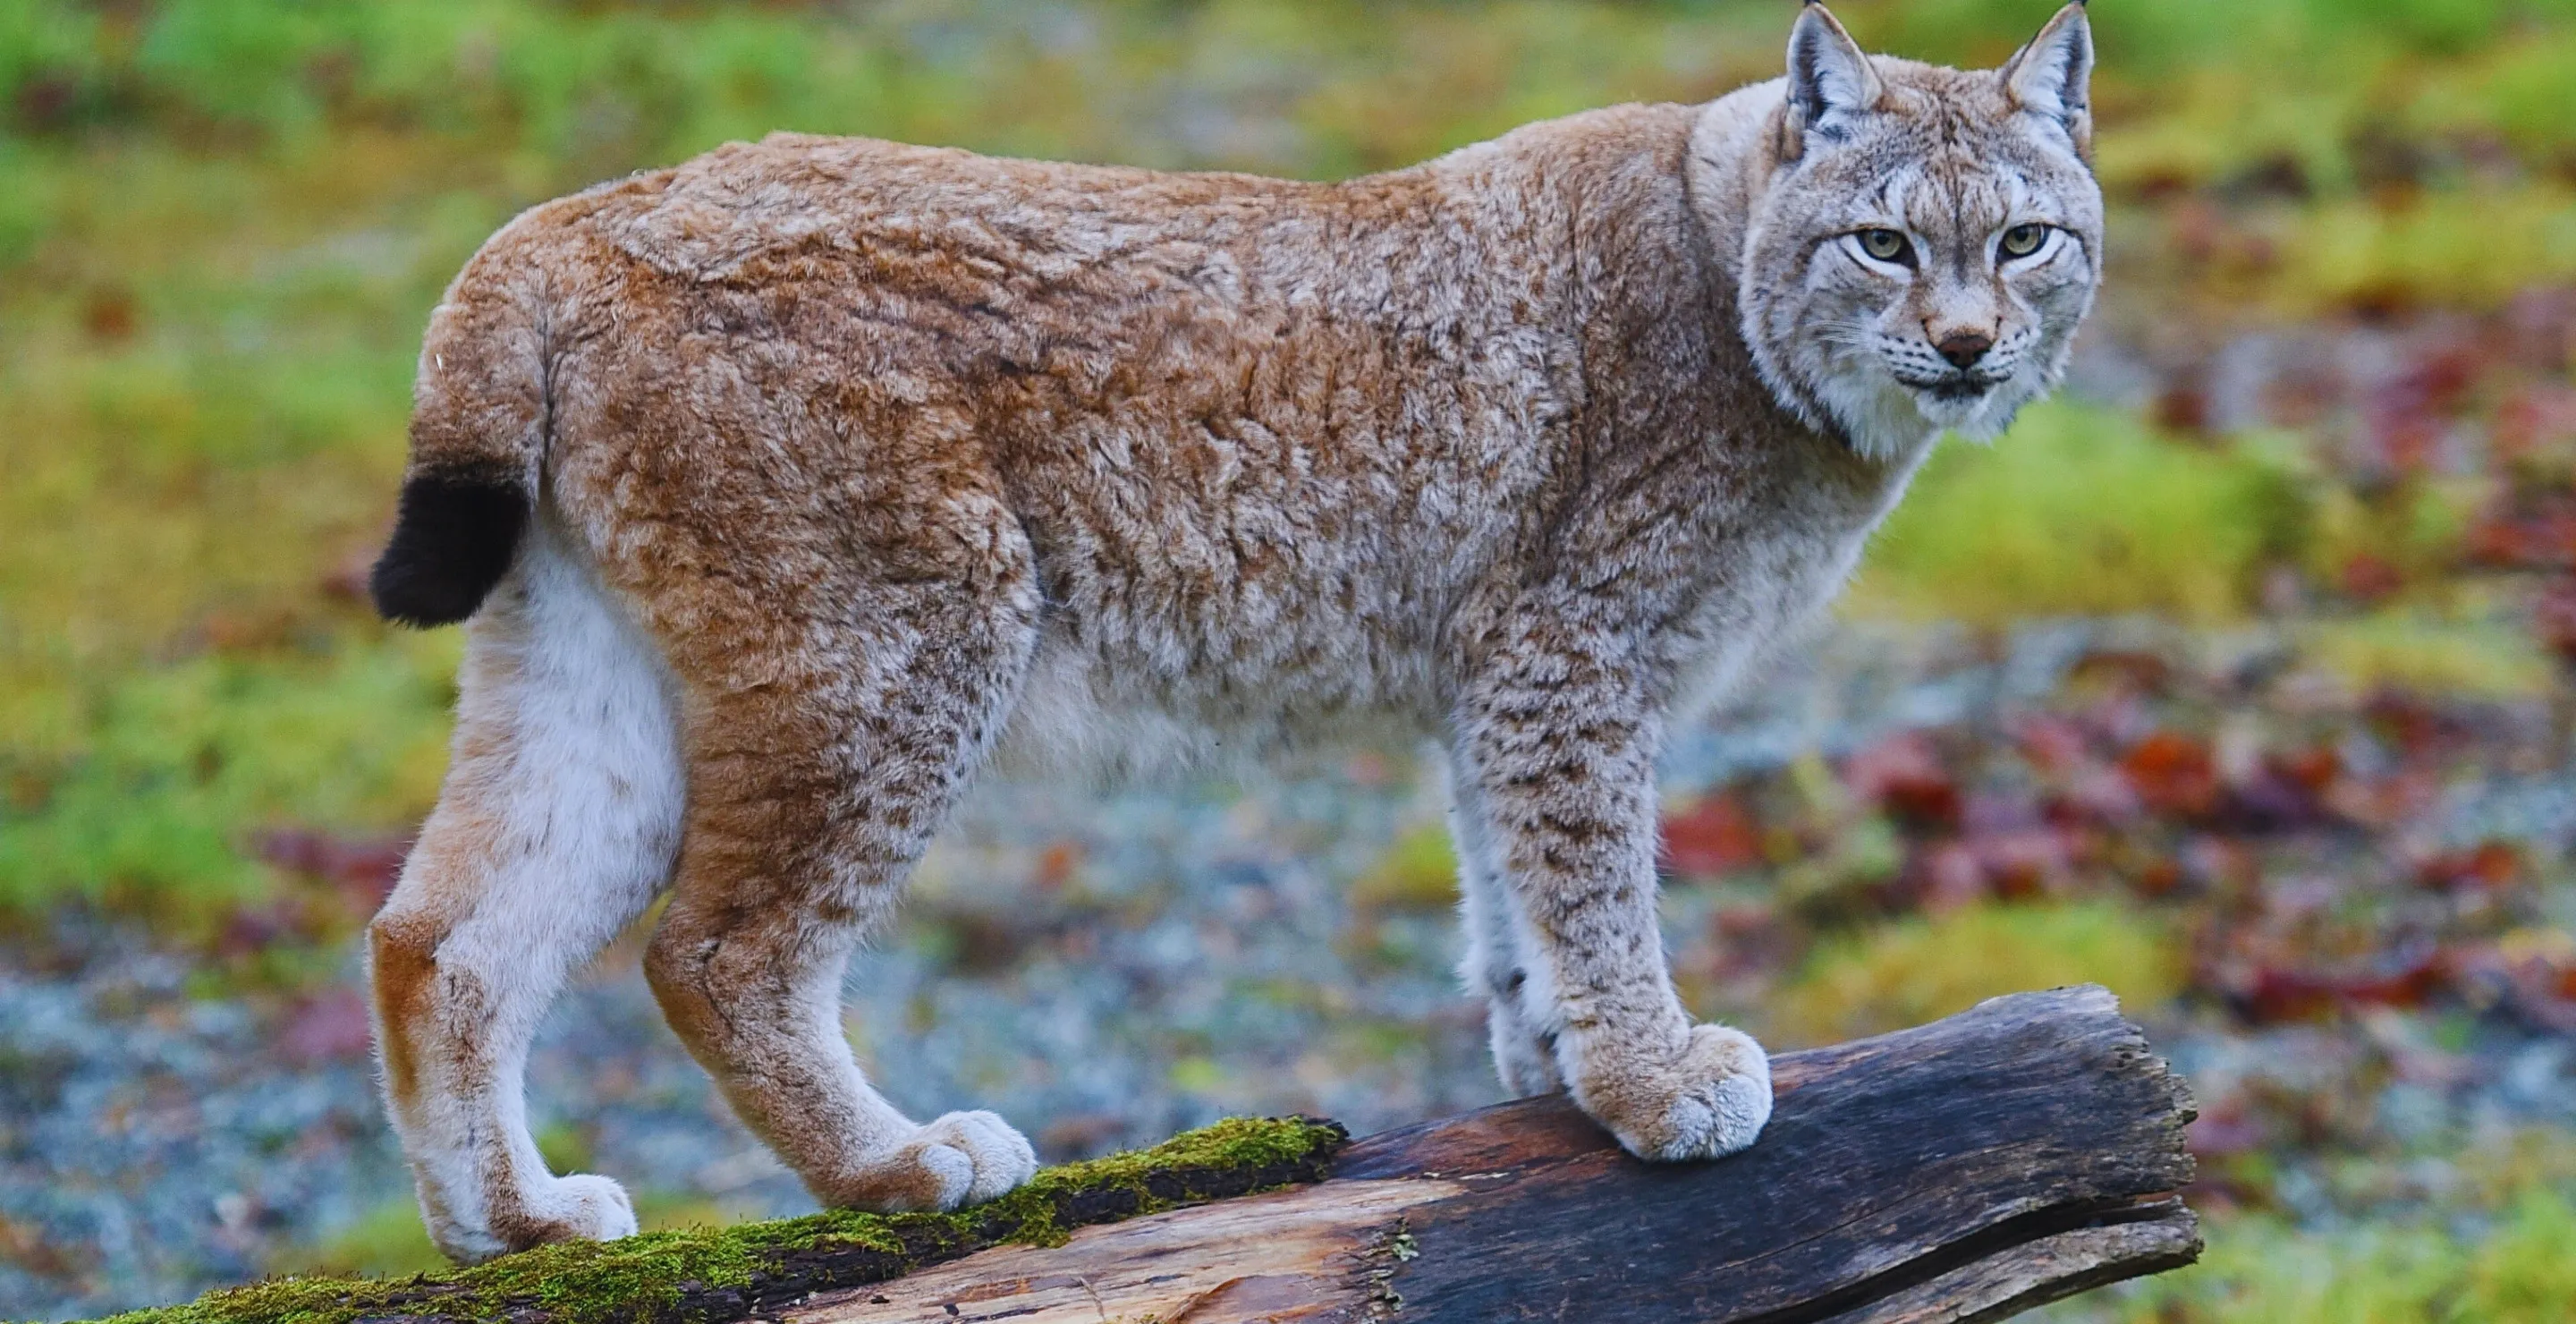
point(1887, 246)
point(2024, 240)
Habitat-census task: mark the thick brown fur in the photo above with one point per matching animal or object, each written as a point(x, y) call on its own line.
point(848, 462)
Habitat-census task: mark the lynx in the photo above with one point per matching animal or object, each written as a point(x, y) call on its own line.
point(786, 487)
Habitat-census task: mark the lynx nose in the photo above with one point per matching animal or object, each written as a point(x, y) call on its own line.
point(1964, 348)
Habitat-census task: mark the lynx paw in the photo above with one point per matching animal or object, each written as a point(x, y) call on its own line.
point(1709, 1102)
point(580, 1207)
point(590, 1208)
point(958, 1159)
point(1524, 1059)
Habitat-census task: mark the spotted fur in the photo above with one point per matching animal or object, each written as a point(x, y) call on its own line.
point(844, 464)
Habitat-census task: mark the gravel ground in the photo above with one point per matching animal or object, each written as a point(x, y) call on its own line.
point(1101, 968)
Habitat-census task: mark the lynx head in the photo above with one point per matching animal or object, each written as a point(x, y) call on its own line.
point(1927, 239)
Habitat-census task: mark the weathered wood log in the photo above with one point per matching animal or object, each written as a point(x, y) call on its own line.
point(1968, 1170)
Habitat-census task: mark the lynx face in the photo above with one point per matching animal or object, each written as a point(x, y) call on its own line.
point(1931, 241)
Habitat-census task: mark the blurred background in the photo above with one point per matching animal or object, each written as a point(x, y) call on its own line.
point(2238, 679)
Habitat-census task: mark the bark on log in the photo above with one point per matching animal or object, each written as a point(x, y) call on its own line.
point(1964, 1171)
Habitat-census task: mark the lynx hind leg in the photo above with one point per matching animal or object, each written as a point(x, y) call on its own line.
point(556, 825)
point(812, 793)
point(1496, 966)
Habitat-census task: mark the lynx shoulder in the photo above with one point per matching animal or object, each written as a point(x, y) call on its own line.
point(784, 487)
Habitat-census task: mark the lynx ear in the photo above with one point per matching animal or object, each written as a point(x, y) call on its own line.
point(2053, 75)
point(1830, 80)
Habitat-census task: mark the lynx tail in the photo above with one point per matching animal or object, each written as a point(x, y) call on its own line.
point(478, 434)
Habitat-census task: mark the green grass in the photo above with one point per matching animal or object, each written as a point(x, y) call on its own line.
point(2079, 511)
point(1913, 971)
point(2516, 1265)
point(166, 767)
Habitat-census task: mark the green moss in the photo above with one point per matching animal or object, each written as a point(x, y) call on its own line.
point(715, 1273)
point(2078, 511)
point(1419, 874)
point(1919, 970)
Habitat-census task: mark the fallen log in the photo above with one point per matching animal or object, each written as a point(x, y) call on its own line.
point(1966, 1170)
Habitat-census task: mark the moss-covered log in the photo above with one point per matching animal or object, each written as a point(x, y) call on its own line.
point(1964, 1171)
point(751, 1271)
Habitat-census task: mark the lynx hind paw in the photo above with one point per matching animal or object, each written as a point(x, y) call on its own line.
point(959, 1159)
point(1711, 1103)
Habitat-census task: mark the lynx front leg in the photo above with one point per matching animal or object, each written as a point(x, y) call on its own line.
point(1555, 753)
point(814, 787)
point(1496, 966)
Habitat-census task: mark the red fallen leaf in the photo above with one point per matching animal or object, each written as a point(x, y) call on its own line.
point(2172, 774)
point(2488, 865)
point(253, 929)
point(2012, 863)
point(110, 315)
point(2408, 986)
point(2313, 768)
point(2369, 578)
point(2532, 419)
point(1056, 864)
point(2553, 618)
point(2157, 877)
point(2286, 995)
point(1903, 776)
point(2279, 994)
point(2496, 540)
point(1712, 835)
point(328, 1026)
point(2027, 862)
point(2404, 418)
point(2406, 721)
point(364, 869)
point(2533, 527)
point(2182, 408)
point(2052, 744)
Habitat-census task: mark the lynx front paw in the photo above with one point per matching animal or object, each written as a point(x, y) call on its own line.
point(1524, 1059)
point(1708, 1102)
point(959, 1159)
point(590, 1208)
point(580, 1207)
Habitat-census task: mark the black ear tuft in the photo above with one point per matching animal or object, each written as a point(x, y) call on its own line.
point(453, 540)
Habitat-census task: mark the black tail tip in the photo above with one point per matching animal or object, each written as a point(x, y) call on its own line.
point(453, 540)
